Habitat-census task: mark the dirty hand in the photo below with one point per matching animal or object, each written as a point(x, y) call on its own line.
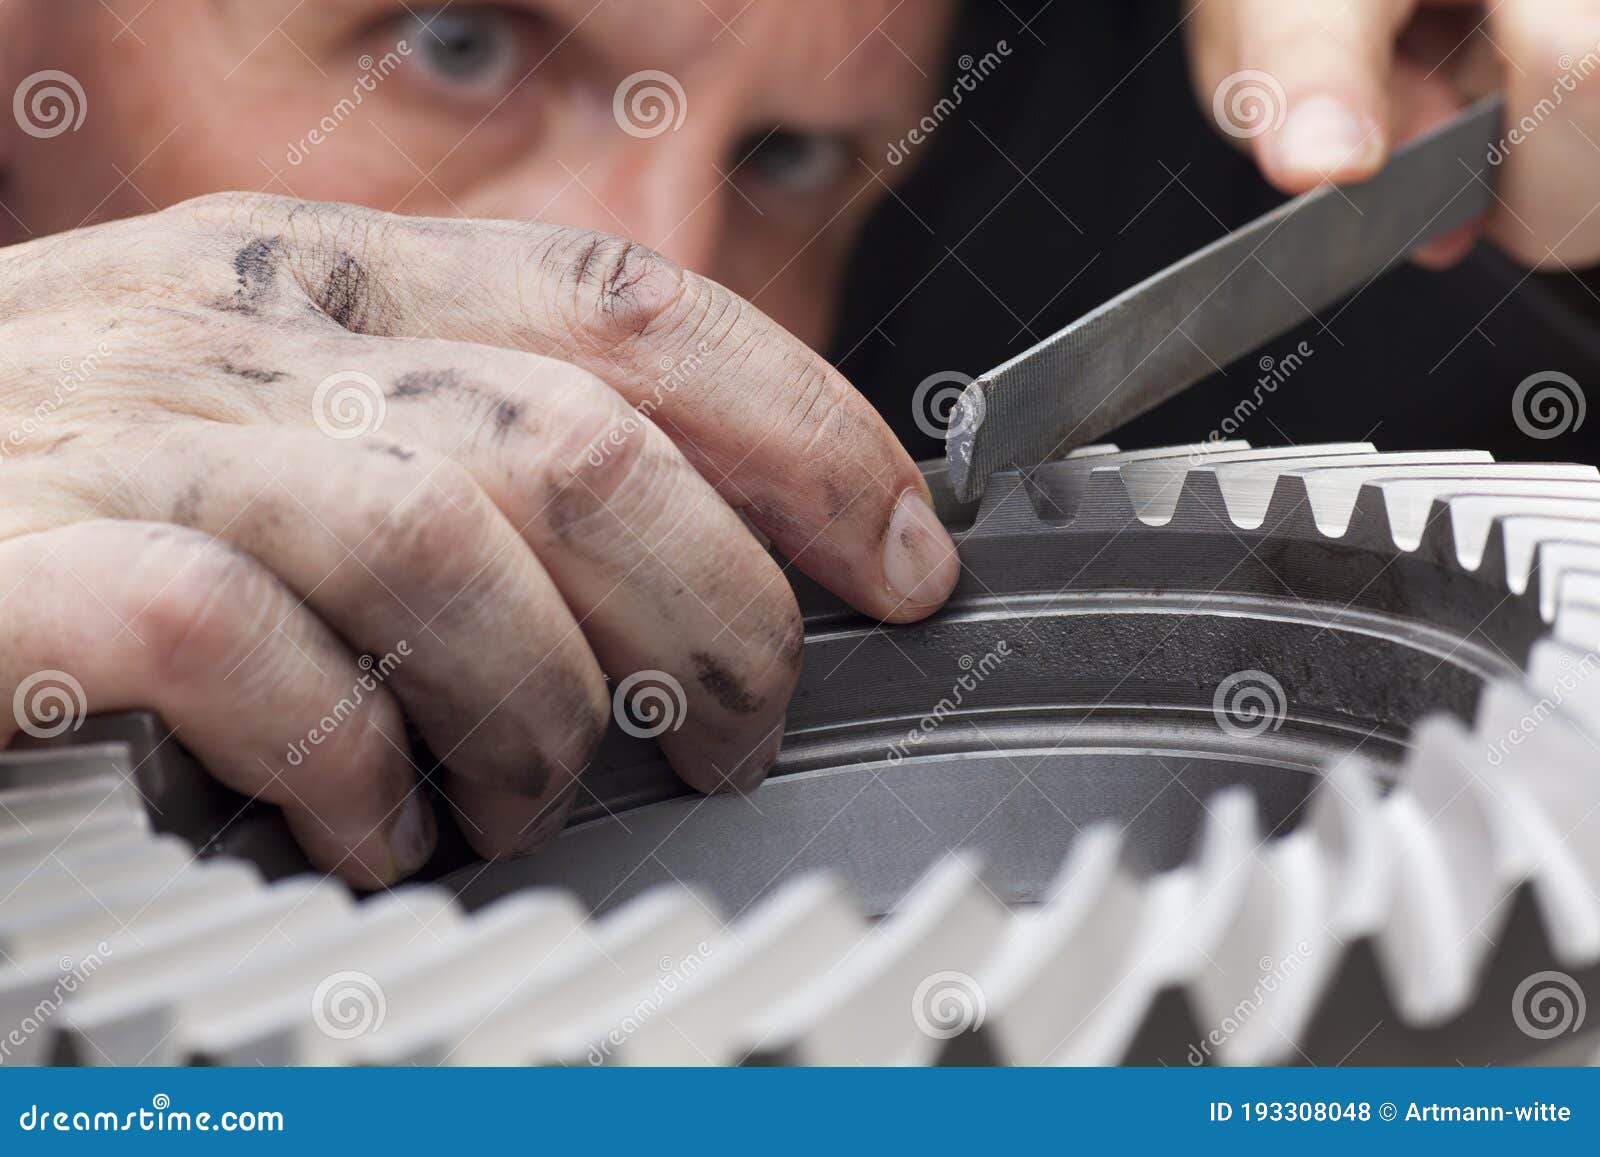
point(1323, 89)
point(285, 472)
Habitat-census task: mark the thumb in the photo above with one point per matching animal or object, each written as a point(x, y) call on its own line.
point(1320, 69)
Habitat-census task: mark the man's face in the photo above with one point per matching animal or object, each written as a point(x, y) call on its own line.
point(771, 153)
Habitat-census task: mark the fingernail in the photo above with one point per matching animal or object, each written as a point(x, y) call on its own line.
point(412, 837)
point(1322, 136)
point(919, 559)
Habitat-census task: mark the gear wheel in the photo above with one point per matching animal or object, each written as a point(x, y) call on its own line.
point(1217, 755)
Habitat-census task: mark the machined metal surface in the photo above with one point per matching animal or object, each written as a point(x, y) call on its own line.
point(1184, 323)
point(1217, 755)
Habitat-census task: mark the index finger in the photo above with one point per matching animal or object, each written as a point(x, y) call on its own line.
point(776, 429)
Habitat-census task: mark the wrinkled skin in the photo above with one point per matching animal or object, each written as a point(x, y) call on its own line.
point(253, 444)
point(407, 430)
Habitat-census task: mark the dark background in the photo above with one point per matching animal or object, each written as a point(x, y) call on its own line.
point(1094, 106)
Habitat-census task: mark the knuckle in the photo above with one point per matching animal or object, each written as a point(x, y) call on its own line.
point(611, 290)
point(603, 466)
point(323, 248)
point(427, 520)
point(200, 605)
point(229, 207)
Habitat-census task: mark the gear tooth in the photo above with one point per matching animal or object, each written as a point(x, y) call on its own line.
point(1369, 527)
point(1343, 819)
point(1573, 571)
point(1535, 744)
point(1438, 541)
point(1423, 911)
point(1049, 979)
point(1106, 503)
point(1198, 503)
point(1490, 567)
point(1568, 574)
point(1166, 1032)
point(1353, 1022)
point(1420, 942)
point(1291, 511)
point(1278, 929)
point(1005, 509)
point(1578, 626)
point(1559, 669)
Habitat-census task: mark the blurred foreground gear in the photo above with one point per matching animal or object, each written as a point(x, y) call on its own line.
point(1217, 755)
